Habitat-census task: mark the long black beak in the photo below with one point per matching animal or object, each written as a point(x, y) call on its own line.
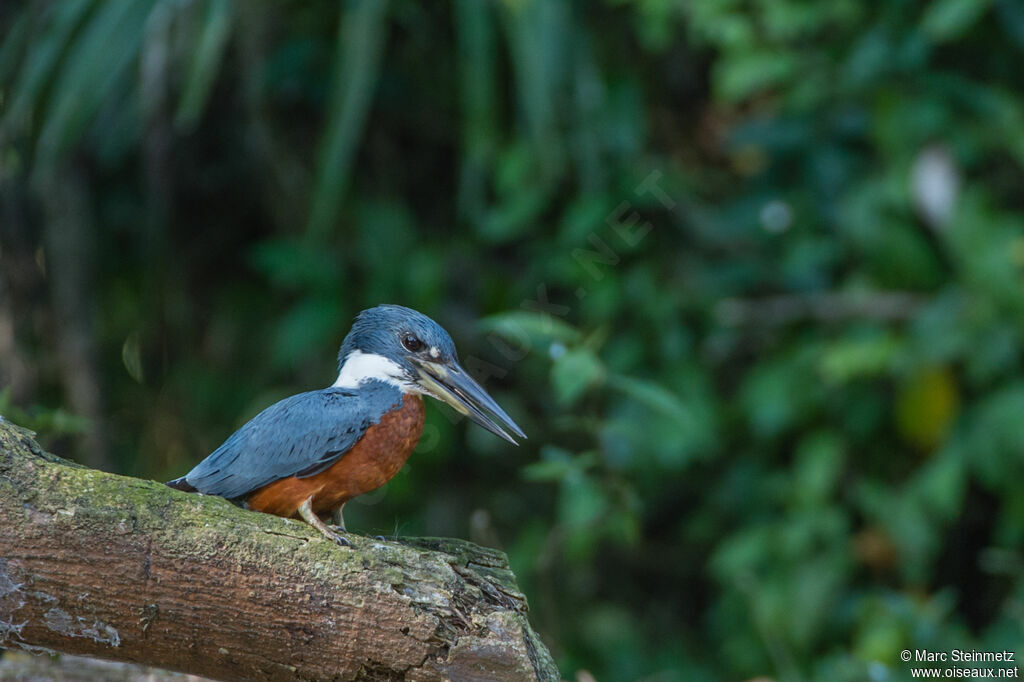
point(450, 383)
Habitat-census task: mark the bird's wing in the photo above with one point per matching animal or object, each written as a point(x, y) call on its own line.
point(298, 436)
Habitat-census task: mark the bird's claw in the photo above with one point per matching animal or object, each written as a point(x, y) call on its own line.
point(336, 537)
point(306, 512)
point(339, 537)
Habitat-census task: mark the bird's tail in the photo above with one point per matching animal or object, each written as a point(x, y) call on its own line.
point(181, 484)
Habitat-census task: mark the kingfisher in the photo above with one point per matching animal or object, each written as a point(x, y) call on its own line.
point(309, 454)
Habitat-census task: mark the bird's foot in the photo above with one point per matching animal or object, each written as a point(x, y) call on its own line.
point(338, 538)
point(338, 516)
point(307, 514)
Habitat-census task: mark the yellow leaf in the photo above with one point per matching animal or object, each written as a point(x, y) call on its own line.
point(926, 406)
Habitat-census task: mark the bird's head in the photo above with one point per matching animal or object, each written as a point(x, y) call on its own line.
point(405, 348)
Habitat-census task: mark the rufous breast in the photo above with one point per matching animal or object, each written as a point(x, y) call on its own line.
point(370, 463)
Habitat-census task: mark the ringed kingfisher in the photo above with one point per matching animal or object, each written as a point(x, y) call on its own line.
point(309, 454)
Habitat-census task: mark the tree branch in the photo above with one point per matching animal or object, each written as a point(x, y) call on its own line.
point(124, 569)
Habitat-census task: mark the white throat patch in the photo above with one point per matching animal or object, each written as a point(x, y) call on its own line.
point(360, 367)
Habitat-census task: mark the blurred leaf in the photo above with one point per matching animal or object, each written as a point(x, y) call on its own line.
point(993, 442)
point(948, 19)
point(515, 215)
point(778, 393)
point(131, 357)
point(817, 468)
point(90, 71)
point(360, 42)
point(942, 484)
point(907, 521)
point(474, 24)
point(549, 470)
point(926, 407)
point(538, 35)
point(881, 634)
point(40, 64)
point(12, 51)
point(214, 32)
point(535, 328)
point(309, 327)
point(574, 372)
point(523, 195)
point(392, 240)
point(651, 394)
point(742, 74)
point(582, 502)
point(583, 217)
point(295, 266)
point(556, 464)
point(1011, 15)
point(48, 423)
point(857, 358)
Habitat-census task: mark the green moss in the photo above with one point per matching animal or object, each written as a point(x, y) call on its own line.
point(442, 578)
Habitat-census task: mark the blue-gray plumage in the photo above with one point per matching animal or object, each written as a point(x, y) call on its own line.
point(380, 330)
point(298, 436)
point(310, 453)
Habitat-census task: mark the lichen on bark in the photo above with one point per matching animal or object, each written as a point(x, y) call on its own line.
point(119, 568)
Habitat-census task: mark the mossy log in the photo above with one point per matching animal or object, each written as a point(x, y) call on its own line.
point(124, 569)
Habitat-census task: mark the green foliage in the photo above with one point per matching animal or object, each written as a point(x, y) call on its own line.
point(749, 274)
point(53, 423)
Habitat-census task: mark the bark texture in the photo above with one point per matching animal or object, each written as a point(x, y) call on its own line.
point(124, 569)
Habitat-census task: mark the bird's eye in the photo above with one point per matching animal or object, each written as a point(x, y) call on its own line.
point(412, 343)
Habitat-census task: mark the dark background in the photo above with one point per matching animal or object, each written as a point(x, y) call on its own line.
point(749, 274)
